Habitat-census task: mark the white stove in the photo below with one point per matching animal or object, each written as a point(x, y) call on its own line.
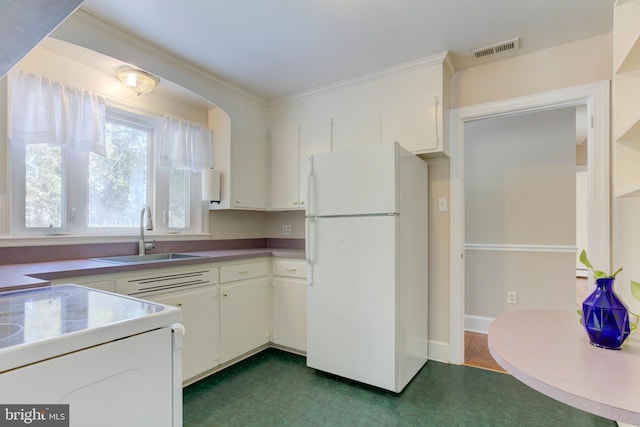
point(113, 359)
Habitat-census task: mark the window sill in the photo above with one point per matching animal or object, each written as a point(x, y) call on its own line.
point(42, 240)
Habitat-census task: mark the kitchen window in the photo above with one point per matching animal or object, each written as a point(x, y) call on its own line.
point(66, 191)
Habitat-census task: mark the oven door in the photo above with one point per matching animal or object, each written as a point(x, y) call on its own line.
point(132, 382)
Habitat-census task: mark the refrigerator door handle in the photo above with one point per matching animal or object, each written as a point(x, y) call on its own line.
point(309, 254)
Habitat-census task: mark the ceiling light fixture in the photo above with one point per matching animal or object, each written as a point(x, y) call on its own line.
point(139, 81)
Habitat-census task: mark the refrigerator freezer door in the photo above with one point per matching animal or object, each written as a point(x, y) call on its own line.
point(351, 182)
point(351, 300)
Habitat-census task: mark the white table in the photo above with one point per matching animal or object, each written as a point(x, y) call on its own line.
point(549, 351)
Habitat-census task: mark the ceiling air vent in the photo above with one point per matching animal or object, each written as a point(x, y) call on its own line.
point(494, 49)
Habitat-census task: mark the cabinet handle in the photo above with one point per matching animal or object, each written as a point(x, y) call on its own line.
point(302, 203)
point(436, 117)
point(243, 272)
point(179, 303)
point(293, 270)
point(224, 294)
point(295, 203)
point(237, 201)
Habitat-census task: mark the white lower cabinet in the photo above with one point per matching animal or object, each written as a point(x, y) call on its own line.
point(244, 308)
point(229, 309)
point(289, 310)
point(200, 317)
point(101, 282)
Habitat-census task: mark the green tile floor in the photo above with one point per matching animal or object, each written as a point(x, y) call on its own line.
point(275, 388)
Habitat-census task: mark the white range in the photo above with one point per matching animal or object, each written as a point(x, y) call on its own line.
point(115, 360)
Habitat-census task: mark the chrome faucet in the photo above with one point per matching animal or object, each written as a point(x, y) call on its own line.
point(142, 245)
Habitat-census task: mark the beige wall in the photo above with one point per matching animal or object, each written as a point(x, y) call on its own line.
point(520, 179)
point(562, 66)
point(540, 280)
point(275, 221)
point(234, 224)
point(439, 276)
point(230, 224)
point(520, 188)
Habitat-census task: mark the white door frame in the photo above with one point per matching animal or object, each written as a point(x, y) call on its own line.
point(596, 98)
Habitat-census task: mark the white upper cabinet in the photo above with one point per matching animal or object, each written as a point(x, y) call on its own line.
point(356, 128)
point(413, 104)
point(284, 168)
point(240, 153)
point(291, 148)
point(408, 105)
point(626, 96)
point(315, 138)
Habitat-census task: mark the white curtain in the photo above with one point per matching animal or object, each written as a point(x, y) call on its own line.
point(47, 112)
point(185, 145)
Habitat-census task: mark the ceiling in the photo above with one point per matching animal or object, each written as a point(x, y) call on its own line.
point(278, 48)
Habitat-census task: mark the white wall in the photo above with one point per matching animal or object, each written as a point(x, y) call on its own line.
point(559, 67)
point(77, 66)
point(83, 30)
point(563, 66)
point(520, 194)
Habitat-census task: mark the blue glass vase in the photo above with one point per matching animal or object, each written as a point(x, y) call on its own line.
point(605, 317)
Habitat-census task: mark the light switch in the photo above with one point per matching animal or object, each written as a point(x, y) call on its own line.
point(442, 204)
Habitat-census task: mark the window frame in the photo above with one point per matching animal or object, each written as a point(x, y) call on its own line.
point(75, 220)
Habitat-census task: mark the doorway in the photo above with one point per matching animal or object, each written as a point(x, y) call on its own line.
point(520, 204)
point(595, 97)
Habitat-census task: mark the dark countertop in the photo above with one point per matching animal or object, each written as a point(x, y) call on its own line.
point(29, 275)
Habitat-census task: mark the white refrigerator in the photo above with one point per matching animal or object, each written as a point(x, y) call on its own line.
point(366, 249)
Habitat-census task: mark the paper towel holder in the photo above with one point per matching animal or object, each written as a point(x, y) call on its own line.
point(211, 185)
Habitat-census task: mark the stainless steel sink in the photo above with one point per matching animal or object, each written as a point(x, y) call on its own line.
point(135, 259)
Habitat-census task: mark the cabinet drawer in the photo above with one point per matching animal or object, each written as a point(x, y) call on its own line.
point(289, 268)
point(230, 273)
point(163, 280)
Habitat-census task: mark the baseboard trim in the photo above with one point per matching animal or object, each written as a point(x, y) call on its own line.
point(439, 351)
point(478, 324)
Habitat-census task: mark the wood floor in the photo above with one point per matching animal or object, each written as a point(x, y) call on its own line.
point(476, 352)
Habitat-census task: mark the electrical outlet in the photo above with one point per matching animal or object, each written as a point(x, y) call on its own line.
point(512, 297)
point(286, 230)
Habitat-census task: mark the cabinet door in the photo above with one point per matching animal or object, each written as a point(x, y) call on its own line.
point(249, 174)
point(95, 282)
point(355, 129)
point(414, 124)
point(290, 312)
point(315, 138)
point(284, 168)
point(244, 317)
point(412, 107)
point(200, 316)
